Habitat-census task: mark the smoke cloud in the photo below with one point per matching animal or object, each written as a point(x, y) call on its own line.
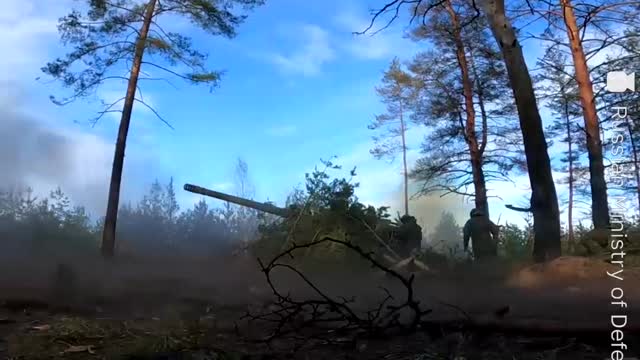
point(36, 154)
point(428, 209)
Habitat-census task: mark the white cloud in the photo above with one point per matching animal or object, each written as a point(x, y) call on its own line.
point(319, 47)
point(282, 131)
point(383, 45)
point(27, 30)
point(314, 53)
point(30, 36)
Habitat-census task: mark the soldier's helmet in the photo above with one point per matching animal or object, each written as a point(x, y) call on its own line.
point(476, 212)
point(406, 219)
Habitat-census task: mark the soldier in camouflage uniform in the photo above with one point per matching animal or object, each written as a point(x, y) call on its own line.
point(594, 242)
point(409, 235)
point(483, 234)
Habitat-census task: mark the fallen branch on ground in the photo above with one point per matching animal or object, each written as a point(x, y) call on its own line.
point(327, 318)
point(338, 320)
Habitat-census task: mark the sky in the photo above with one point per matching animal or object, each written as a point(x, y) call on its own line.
point(298, 87)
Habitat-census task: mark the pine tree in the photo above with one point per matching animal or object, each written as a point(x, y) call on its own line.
point(447, 232)
point(589, 31)
point(170, 206)
point(544, 199)
point(397, 92)
point(101, 40)
point(585, 30)
point(460, 102)
point(599, 202)
point(562, 97)
point(619, 113)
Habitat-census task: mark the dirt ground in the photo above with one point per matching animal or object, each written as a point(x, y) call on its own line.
point(190, 309)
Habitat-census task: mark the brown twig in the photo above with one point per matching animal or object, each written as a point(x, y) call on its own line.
point(326, 317)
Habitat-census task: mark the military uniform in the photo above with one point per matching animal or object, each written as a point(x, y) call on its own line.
point(483, 234)
point(409, 235)
point(594, 243)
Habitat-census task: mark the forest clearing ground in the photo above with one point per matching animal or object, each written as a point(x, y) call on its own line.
point(148, 313)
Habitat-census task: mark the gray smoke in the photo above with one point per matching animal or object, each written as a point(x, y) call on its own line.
point(428, 209)
point(41, 156)
point(30, 151)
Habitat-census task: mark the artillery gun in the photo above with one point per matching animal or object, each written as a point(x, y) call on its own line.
point(368, 230)
point(264, 207)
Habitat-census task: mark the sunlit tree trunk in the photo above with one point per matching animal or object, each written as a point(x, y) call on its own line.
point(479, 182)
point(109, 233)
point(599, 203)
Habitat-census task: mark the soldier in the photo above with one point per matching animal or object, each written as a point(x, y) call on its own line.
point(409, 235)
point(483, 233)
point(594, 243)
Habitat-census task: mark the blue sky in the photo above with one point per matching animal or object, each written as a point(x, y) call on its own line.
point(298, 87)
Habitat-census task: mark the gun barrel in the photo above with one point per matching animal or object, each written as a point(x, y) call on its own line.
point(264, 207)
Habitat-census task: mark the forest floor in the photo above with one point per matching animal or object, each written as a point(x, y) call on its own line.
point(153, 311)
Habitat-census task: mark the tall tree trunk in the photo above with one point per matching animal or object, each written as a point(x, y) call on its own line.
point(485, 128)
point(636, 165)
point(404, 162)
point(479, 183)
point(544, 199)
point(599, 202)
point(109, 233)
point(570, 237)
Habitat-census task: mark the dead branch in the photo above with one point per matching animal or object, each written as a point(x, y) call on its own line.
point(326, 318)
point(520, 209)
point(338, 321)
